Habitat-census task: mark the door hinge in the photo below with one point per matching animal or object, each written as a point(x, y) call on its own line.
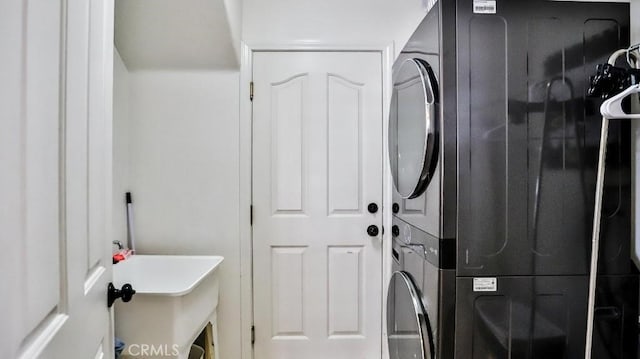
point(253, 334)
point(251, 215)
point(251, 91)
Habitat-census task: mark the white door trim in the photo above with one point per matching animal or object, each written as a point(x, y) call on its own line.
point(245, 158)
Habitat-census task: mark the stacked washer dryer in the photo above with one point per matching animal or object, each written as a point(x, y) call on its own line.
point(493, 148)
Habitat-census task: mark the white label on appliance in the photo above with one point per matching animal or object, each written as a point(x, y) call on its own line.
point(484, 6)
point(485, 284)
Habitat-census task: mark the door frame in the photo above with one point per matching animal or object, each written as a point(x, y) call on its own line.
point(247, 51)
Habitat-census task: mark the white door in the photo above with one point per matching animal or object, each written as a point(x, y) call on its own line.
point(55, 145)
point(317, 165)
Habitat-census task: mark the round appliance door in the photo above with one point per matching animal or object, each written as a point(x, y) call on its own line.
point(414, 127)
point(408, 329)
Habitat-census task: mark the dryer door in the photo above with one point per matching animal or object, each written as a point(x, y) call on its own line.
point(408, 328)
point(414, 127)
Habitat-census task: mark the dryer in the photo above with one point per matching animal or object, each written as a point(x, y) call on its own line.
point(416, 139)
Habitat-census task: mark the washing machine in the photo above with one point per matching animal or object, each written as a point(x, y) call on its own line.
point(419, 300)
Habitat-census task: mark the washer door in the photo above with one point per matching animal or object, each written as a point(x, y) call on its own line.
point(413, 127)
point(408, 328)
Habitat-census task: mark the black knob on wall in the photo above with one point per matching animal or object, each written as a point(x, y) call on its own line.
point(372, 207)
point(126, 293)
point(373, 230)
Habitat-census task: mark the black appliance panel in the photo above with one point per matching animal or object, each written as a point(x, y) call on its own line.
point(528, 140)
point(545, 317)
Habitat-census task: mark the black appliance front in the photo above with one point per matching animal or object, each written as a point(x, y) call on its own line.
point(541, 317)
point(514, 181)
point(528, 139)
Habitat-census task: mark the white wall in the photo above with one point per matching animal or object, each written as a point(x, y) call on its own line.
point(121, 148)
point(336, 22)
point(184, 175)
point(178, 35)
point(234, 16)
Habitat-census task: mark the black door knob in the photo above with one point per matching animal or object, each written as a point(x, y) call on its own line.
point(372, 207)
point(373, 230)
point(395, 230)
point(125, 293)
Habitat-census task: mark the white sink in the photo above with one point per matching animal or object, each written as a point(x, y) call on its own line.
point(176, 296)
point(164, 275)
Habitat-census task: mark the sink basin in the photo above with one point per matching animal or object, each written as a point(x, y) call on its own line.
point(164, 275)
point(176, 296)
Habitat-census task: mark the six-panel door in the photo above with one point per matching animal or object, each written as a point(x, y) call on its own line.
point(55, 165)
point(317, 164)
